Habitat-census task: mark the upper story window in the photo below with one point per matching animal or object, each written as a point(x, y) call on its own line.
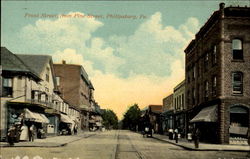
point(7, 87)
point(206, 62)
point(58, 81)
point(214, 86)
point(214, 55)
point(182, 98)
point(47, 74)
point(237, 49)
point(188, 97)
point(237, 82)
point(193, 96)
point(175, 103)
point(206, 90)
point(194, 72)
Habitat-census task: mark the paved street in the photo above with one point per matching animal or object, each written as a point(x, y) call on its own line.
point(116, 145)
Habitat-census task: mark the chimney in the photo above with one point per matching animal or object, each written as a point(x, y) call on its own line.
point(63, 62)
point(222, 5)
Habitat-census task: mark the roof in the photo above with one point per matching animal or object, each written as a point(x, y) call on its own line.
point(36, 62)
point(155, 108)
point(181, 84)
point(12, 63)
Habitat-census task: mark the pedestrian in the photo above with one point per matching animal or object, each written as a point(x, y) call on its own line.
point(196, 138)
point(189, 137)
point(31, 133)
point(170, 133)
point(176, 135)
point(11, 135)
point(75, 129)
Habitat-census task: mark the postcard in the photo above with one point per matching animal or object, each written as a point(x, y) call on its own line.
point(125, 79)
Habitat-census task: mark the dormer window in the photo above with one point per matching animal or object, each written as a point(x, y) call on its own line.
point(237, 49)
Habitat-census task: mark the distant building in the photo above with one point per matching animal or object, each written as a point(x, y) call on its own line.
point(76, 89)
point(167, 114)
point(180, 108)
point(153, 114)
point(218, 75)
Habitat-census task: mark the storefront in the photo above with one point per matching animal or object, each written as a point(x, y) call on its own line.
point(239, 122)
point(206, 118)
point(66, 125)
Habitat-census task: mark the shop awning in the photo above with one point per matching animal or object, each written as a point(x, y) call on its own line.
point(45, 118)
point(66, 119)
point(208, 114)
point(36, 117)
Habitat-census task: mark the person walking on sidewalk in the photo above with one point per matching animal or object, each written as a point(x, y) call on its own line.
point(31, 133)
point(11, 135)
point(196, 137)
point(176, 135)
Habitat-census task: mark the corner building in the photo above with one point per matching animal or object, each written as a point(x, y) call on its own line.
point(218, 75)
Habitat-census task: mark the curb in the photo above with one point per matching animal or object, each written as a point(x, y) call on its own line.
point(194, 149)
point(56, 145)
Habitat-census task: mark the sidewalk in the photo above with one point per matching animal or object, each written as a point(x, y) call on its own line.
point(55, 141)
point(203, 146)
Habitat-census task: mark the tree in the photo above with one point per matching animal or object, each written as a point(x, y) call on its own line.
point(110, 119)
point(131, 118)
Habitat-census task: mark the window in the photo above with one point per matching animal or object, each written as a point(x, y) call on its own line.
point(32, 94)
point(206, 90)
point(237, 49)
point(182, 101)
point(175, 104)
point(237, 82)
point(198, 93)
point(214, 86)
point(58, 81)
point(193, 96)
point(214, 55)
point(194, 72)
point(198, 69)
point(206, 62)
point(7, 87)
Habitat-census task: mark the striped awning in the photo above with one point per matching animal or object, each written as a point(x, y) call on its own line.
point(36, 117)
point(66, 119)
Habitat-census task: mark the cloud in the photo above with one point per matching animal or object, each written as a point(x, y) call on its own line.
point(52, 35)
point(153, 48)
point(140, 68)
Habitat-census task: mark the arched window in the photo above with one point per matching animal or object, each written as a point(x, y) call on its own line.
point(237, 49)
point(237, 82)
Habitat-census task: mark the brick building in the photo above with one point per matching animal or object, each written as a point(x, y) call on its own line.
point(167, 114)
point(76, 89)
point(218, 74)
point(180, 108)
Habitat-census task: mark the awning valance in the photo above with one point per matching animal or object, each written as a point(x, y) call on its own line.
point(208, 114)
point(36, 117)
point(66, 119)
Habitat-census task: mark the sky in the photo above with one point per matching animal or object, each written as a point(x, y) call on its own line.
point(133, 51)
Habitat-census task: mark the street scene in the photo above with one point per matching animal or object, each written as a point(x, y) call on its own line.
point(118, 144)
point(95, 79)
